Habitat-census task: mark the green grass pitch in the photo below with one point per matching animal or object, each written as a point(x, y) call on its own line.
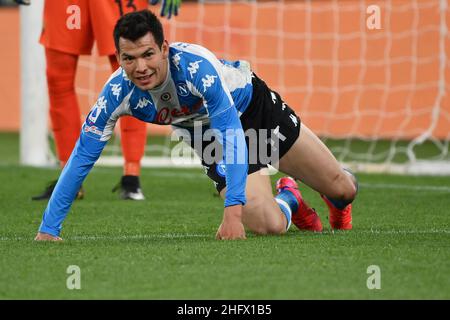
point(164, 247)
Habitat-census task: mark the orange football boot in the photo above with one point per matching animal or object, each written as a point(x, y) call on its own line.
point(339, 219)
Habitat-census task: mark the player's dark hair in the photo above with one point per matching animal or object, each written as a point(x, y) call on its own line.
point(135, 25)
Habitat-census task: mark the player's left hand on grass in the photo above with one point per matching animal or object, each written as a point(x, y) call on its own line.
point(168, 7)
point(25, 2)
point(231, 227)
point(46, 237)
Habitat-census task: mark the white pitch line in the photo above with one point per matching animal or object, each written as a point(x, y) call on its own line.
point(186, 175)
point(140, 237)
point(432, 231)
point(211, 236)
point(404, 187)
point(119, 237)
point(164, 174)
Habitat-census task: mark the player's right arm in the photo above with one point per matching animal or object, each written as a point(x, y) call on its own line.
point(86, 152)
point(204, 79)
point(94, 135)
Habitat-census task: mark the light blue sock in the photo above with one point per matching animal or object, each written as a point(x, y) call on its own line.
point(288, 203)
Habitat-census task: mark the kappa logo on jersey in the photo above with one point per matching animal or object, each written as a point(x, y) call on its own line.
point(176, 60)
point(99, 106)
point(125, 77)
point(208, 81)
point(182, 89)
point(193, 67)
point(283, 106)
point(115, 89)
point(143, 102)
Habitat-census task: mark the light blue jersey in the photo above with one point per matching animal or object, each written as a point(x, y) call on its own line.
point(198, 87)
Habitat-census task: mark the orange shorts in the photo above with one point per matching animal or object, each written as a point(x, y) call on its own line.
point(72, 25)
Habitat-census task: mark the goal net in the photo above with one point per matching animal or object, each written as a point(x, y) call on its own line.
point(371, 78)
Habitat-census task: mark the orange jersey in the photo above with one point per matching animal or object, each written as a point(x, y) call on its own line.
point(71, 26)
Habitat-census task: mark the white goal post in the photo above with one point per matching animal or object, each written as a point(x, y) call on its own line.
point(34, 144)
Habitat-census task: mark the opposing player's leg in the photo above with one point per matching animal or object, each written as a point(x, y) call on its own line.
point(64, 109)
point(310, 161)
point(63, 45)
point(133, 134)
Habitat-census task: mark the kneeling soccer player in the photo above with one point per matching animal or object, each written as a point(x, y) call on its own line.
point(185, 85)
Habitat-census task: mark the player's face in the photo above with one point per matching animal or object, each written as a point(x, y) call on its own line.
point(144, 62)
